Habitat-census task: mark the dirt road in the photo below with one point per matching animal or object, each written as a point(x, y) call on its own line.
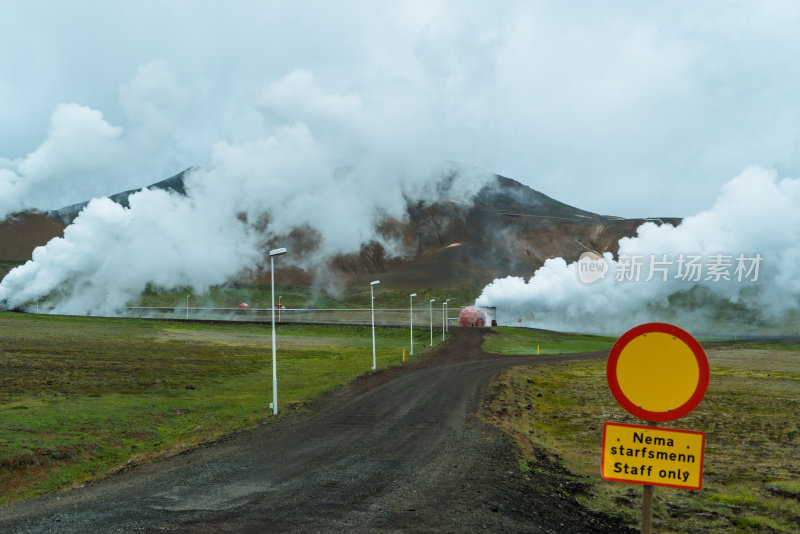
point(396, 451)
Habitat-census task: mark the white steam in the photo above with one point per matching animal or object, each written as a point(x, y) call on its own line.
point(79, 142)
point(755, 215)
point(326, 162)
point(111, 253)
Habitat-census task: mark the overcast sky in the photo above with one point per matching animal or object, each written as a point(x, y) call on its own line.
point(625, 108)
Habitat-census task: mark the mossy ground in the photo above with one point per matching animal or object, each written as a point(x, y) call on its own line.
point(80, 397)
point(749, 414)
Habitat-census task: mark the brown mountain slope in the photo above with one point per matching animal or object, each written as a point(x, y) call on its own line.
point(508, 229)
point(21, 233)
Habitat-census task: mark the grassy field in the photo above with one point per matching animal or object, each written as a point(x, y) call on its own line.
point(256, 296)
point(389, 297)
point(80, 397)
point(527, 341)
point(751, 480)
point(259, 296)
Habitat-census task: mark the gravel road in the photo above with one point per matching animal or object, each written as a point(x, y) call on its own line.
point(396, 451)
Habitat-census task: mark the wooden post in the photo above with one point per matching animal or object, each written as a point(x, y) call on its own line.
point(647, 509)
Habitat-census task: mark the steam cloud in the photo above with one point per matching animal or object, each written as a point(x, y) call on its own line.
point(326, 162)
point(79, 142)
point(306, 156)
point(754, 214)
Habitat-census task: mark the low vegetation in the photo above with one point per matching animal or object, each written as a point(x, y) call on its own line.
point(260, 296)
point(230, 296)
point(751, 481)
point(529, 341)
point(80, 397)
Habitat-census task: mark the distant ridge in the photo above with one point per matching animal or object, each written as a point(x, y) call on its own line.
point(175, 183)
point(516, 198)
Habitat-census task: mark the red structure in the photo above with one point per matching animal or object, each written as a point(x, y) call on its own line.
point(471, 316)
point(244, 306)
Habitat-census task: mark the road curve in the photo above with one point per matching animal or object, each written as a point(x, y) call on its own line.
point(396, 451)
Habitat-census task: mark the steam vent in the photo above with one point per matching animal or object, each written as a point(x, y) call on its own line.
point(471, 316)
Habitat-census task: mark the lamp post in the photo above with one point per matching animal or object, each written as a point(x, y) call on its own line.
point(372, 307)
point(411, 321)
point(444, 317)
point(430, 304)
point(272, 254)
point(187, 307)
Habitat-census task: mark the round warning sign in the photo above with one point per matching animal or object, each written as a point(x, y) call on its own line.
point(657, 372)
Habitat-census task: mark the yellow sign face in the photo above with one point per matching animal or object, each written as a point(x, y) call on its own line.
point(658, 372)
point(654, 456)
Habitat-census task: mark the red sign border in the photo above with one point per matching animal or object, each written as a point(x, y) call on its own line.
point(648, 483)
point(638, 411)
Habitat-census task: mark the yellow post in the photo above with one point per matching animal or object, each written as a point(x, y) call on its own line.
point(404, 355)
point(537, 350)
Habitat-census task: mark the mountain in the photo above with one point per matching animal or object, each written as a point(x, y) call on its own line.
point(507, 229)
point(67, 214)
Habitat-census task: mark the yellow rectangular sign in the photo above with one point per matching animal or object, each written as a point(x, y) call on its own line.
point(655, 456)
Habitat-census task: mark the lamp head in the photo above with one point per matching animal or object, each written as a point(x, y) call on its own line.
point(413, 295)
point(277, 251)
point(376, 282)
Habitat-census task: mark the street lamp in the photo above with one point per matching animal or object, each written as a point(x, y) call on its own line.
point(430, 304)
point(272, 254)
point(187, 307)
point(411, 321)
point(372, 307)
point(444, 317)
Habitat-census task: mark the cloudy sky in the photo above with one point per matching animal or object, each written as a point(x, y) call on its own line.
point(626, 108)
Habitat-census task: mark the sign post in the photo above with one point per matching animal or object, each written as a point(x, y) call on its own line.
point(657, 372)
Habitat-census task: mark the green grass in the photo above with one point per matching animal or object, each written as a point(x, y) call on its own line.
point(509, 340)
point(389, 297)
point(259, 296)
point(80, 397)
point(751, 480)
point(780, 344)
